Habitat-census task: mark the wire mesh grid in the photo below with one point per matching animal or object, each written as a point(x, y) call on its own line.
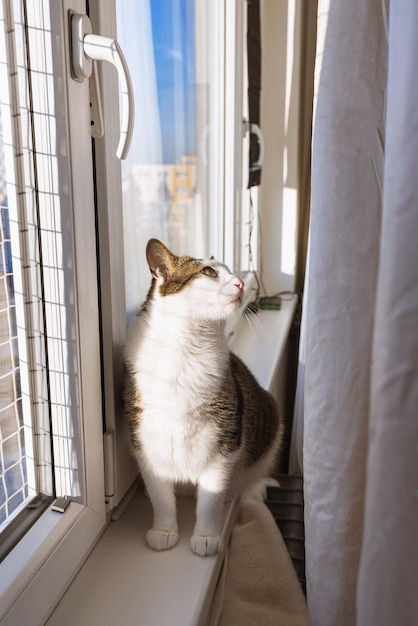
point(19, 272)
point(13, 471)
point(40, 431)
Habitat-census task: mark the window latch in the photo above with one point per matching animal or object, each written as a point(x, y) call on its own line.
point(87, 48)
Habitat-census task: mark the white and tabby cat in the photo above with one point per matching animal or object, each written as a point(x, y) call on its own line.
point(196, 413)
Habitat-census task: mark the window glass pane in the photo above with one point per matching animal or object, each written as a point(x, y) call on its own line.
point(38, 367)
point(165, 178)
point(18, 482)
point(14, 488)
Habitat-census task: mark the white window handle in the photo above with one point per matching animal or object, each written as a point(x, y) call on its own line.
point(87, 47)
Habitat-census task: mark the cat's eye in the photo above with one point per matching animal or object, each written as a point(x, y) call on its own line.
point(209, 271)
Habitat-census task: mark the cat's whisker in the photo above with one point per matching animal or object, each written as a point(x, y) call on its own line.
point(267, 333)
point(248, 315)
point(254, 321)
point(254, 324)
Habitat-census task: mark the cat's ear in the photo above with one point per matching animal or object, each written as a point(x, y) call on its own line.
point(159, 259)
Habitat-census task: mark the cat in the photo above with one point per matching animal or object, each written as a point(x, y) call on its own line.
point(196, 413)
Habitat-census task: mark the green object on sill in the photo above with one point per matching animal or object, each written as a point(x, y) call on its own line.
point(270, 303)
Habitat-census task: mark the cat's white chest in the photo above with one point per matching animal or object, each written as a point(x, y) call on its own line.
point(176, 436)
point(177, 380)
point(173, 377)
point(176, 449)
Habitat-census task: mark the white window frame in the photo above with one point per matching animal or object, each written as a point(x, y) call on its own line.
point(44, 562)
point(234, 131)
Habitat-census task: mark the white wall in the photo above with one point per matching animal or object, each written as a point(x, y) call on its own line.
point(280, 112)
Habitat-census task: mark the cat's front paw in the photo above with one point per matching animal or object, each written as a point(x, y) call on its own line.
point(206, 545)
point(161, 539)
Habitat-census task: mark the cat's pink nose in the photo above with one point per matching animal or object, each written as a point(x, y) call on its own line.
point(239, 284)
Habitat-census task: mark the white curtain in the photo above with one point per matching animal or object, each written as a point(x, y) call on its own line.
point(360, 408)
point(390, 545)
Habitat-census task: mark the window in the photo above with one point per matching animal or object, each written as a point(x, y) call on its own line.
point(173, 178)
point(15, 476)
point(159, 176)
point(50, 417)
point(14, 487)
point(183, 178)
point(25, 444)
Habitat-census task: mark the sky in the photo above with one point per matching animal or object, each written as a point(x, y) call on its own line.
point(157, 38)
point(173, 35)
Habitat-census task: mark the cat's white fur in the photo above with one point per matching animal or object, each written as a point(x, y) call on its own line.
point(178, 369)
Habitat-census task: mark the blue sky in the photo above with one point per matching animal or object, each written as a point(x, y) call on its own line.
point(157, 37)
point(173, 34)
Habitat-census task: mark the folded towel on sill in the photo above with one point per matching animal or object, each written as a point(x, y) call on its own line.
point(258, 585)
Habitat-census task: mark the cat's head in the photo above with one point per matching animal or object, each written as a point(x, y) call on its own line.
point(192, 288)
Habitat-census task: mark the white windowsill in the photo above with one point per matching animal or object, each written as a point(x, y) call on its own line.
point(123, 581)
point(30, 581)
point(260, 341)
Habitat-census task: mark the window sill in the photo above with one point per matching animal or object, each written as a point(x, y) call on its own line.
point(260, 341)
point(27, 573)
point(123, 581)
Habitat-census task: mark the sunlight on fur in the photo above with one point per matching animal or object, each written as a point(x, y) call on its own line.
point(196, 413)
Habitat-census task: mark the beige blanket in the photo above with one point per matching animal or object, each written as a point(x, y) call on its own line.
point(258, 585)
